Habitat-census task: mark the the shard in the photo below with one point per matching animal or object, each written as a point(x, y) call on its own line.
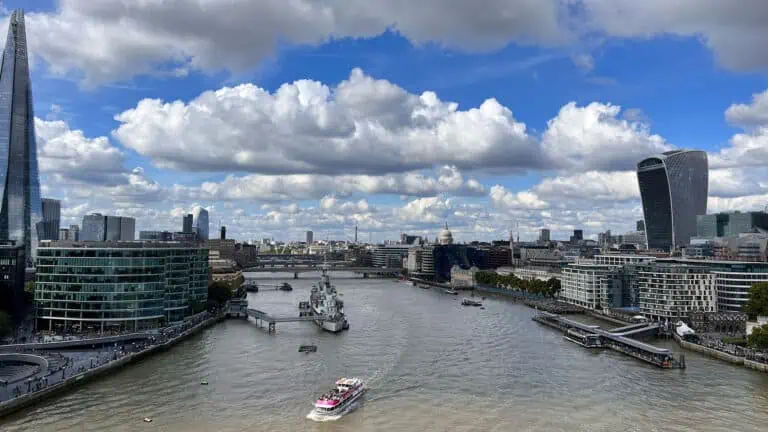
point(19, 182)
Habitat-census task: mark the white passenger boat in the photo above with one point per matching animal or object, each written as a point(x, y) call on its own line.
point(340, 399)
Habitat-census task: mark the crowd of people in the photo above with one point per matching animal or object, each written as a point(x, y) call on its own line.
point(715, 342)
point(62, 367)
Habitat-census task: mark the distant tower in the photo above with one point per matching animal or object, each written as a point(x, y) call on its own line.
point(355, 233)
point(673, 190)
point(187, 225)
point(223, 232)
point(310, 237)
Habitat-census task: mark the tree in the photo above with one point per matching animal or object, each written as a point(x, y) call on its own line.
point(219, 292)
point(759, 337)
point(757, 304)
point(6, 328)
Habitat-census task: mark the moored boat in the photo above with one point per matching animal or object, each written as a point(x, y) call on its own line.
point(326, 306)
point(450, 291)
point(339, 399)
point(587, 340)
point(469, 302)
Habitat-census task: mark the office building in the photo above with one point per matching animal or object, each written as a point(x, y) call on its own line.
point(49, 227)
point(12, 269)
point(98, 227)
point(672, 291)
point(640, 226)
point(118, 286)
point(544, 235)
point(390, 256)
point(223, 233)
point(71, 233)
point(407, 239)
point(438, 260)
point(187, 223)
point(673, 189)
point(731, 224)
point(225, 248)
point(591, 285)
point(578, 236)
point(155, 236)
point(310, 237)
point(201, 223)
point(184, 236)
point(21, 209)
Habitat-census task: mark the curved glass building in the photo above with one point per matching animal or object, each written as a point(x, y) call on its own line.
point(201, 223)
point(673, 187)
point(93, 287)
point(19, 183)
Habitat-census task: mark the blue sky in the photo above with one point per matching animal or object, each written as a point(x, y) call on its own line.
point(362, 144)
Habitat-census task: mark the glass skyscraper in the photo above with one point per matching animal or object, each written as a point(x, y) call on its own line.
point(49, 228)
point(201, 223)
point(19, 183)
point(673, 187)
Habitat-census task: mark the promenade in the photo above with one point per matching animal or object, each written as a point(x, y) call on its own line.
point(70, 367)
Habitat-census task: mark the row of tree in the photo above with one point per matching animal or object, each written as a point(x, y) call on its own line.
point(548, 288)
point(757, 305)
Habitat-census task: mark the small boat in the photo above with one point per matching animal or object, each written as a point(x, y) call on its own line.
point(450, 291)
point(339, 399)
point(424, 286)
point(584, 339)
point(147, 420)
point(285, 287)
point(482, 307)
point(204, 382)
point(307, 348)
point(251, 286)
point(469, 302)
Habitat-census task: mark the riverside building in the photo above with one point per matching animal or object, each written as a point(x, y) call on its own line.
point(97, 286)
point(670, 291)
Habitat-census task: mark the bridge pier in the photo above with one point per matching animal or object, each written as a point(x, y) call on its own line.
point(365, 275)
point(295, 275)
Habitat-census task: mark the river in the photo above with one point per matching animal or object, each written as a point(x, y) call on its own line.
point(430, 365)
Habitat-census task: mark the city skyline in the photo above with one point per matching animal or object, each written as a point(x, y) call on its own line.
point(491, 136)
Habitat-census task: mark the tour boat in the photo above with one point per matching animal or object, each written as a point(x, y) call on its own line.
point(468, 302)
point(586, 340)
point(338, 400)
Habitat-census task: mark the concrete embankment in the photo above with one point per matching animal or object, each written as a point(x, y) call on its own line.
point(762, 367)
point(606, 318)
point(708, 351)
point(29, 399)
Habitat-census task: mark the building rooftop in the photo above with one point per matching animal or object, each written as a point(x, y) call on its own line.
point(69, 244)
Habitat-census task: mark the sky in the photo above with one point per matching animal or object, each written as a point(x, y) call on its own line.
point(493, 116)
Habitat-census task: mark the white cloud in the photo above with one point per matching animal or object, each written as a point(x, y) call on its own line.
point(592, 186)
point(107, 40)
point(593, 137)
point(735, 32)
point(502, 198)
point(751, 147)
point(749, 115)
point(360, 126)
point(736, 182)
point(69, 153)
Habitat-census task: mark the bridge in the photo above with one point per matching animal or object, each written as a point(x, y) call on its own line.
point(265, 268)
point(263, 317)
point(618, 340)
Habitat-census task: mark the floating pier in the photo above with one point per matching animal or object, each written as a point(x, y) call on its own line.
point(618, 340)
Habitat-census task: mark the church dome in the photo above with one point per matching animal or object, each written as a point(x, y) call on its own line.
point(445, 237)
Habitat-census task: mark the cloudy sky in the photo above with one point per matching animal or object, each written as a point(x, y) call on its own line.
point(396, 115)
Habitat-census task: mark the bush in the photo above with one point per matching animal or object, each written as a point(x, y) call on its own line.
point(759, 337)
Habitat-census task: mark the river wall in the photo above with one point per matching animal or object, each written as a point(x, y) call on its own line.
point(30, 399)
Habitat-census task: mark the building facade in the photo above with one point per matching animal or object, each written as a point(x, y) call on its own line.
point(731, 224)
point(12, 270)
point(186, 223)
point(202, 226)
point(532, 273)
point(544, 235)
point(463, 278)
point(20, 206)
point(590, 285)
point(95, 287)
point(49, 227)
point(71, 233)
point(310, 238)
point(98, 227)
point(673, 189)
point(390, 256)
point(155, 236)
point(673, 291)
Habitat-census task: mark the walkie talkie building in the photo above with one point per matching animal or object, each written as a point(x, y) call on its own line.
point(673, 187)
point(19, 183)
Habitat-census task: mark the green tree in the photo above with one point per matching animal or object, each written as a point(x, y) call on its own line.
point(759, 337)
point(6, 328)
point(757, 304)
point(219, 292)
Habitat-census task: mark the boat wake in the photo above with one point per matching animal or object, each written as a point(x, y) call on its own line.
point(325, 418)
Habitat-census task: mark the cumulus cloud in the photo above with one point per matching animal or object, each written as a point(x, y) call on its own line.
point(503, 198)
point(736, 34)
point(69, 153)
point(362, 125)
point(592, 186)
point(309, 186)
point(108, 40)
point(594, 137)
point(749, 148)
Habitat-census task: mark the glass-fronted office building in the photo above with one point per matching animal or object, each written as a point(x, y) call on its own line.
point(21, 210)
point(95, 287)
point(673, 189)
point(730, 224)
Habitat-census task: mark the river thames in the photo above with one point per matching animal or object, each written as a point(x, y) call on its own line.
point(430, 365)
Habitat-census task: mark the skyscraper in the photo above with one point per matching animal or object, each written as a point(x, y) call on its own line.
point(544, 235)
point(19, 182)
point(673, 188)
point(310, 238)
point(97, 227)
point(187, 225)
point(49, 228)
point(201, 223)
